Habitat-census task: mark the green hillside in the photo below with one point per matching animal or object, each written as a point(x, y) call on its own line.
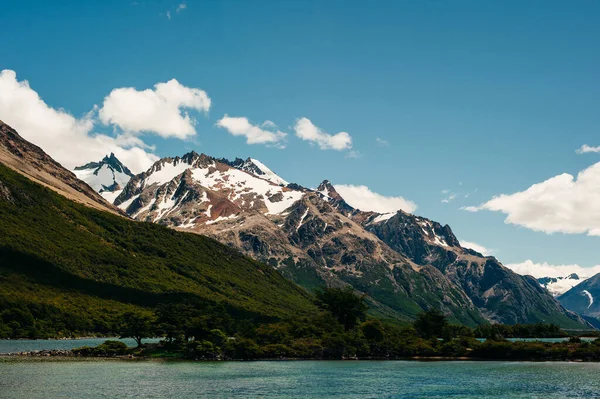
point(66, 268)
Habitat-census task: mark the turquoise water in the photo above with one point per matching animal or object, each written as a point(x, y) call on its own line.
point(25, 345)
point(297, 379)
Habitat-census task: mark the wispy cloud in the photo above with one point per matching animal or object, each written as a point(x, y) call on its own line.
point(381, 142)
point(449, 198)
point(353, 154)
point(178, 9)
point(587, 149)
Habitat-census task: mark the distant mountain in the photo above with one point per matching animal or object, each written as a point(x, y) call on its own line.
point(403, 262)
point(559, 285)
point(30, 161)
point(584, 298)
point(108, 176)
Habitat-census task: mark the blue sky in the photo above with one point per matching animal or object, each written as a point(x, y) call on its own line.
point(477, 98)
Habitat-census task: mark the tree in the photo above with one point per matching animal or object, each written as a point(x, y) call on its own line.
point(137, 326)
point(347, 307)
point(430, 324)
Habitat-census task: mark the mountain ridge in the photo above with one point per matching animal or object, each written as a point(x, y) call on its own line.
point(316, 238)
point(31, 161)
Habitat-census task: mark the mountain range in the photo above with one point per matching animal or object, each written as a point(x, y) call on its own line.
point(404, 263)
point(72, 264)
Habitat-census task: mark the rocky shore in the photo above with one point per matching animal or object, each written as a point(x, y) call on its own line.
point(41, 353)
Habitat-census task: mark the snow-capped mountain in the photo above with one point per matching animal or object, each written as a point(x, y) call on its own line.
point(559, 285)
point(257, 168)
point(108, 176)
point(402, 261)
point(197, 190)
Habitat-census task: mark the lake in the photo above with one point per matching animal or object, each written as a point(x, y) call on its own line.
point(35, 378)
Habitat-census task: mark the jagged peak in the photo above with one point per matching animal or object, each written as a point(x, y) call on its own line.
point(109, 160)
point(328, 191)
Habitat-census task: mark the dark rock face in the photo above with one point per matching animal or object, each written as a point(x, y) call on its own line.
point(502, 295)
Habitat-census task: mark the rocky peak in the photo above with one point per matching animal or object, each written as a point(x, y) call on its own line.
point(108, 176)
point(329, 194)
point(112, 161)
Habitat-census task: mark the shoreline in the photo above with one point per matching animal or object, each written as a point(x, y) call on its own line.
point(64, 357)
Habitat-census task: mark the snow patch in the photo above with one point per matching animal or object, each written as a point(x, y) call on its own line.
point(167, 172)
point(302, 220)
point(222, 218)
point(383, 217)
point(591, 298)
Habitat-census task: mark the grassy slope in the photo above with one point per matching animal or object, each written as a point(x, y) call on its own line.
point(86, 263)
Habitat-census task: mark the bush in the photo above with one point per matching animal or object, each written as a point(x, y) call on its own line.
point(107, 348)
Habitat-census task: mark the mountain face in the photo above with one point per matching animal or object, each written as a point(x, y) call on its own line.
point(559, 285)
point(289, 227)
point(404, 263)
point(70, 267)
point(501, 295)
point(108, 176)
point(584, 298)
point(30, 161)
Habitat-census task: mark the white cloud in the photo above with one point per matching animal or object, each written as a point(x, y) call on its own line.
point(561, 204)
point(477, 247)
point(67, 139)
point(160, 111)
point(240, 126)
point(381, 142)
point(307, 131)
point(362, 198)
point(538, 270)
point(181, 7)
point(586, 148)
point(169, 15)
